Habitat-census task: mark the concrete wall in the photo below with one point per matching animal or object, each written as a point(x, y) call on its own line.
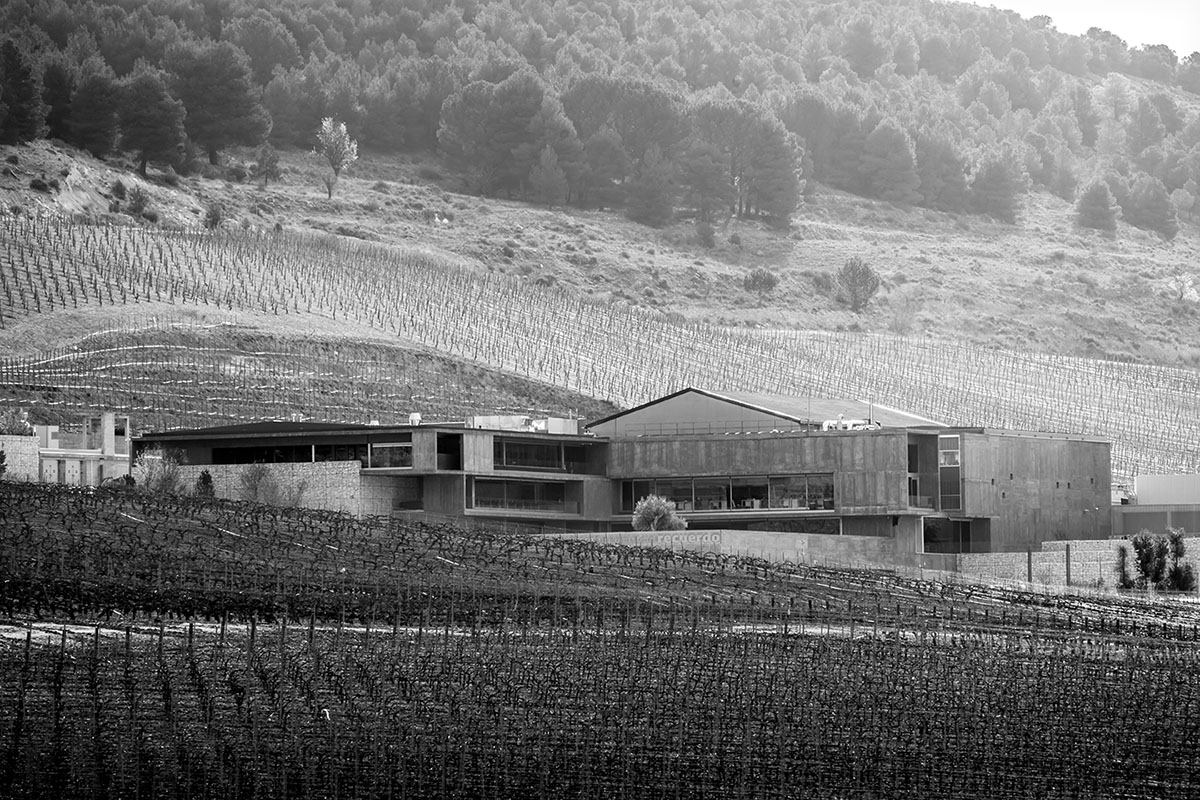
point(20, 458)
point(328, 485)
point(1167, 489)
point(867, 551)
point(1128, 520)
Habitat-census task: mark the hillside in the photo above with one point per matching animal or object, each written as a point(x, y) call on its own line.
point(1046, 286)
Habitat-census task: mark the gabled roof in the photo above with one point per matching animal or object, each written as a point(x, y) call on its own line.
point(801, 410)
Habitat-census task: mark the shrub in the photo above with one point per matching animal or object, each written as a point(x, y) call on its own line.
point(735, 239)
point(237, 173)
point(706, 233)
point(857, 283)
point(823, 282)
point(170, 177)
point(429, 172)
point(760, 280)
point(118, 190)
point(657, 513)
point(204, 485)
point(1158, 561)
point(139, 201)
point(150, 215)
point(157, 471)
point(258, 485)
point(15, 423)
point(213, 215)
point(3, 466)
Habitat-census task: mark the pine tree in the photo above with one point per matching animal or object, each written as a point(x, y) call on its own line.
point(547, 180)
point(607, 167)
point(1151, 207)
point(94, 111)
point(58, 85)
point(704, 178)
point(858, 283)
point(1097, 208)
point(997, 188)
point(890, 164)
point(266, 164)
point(941, 172)
point(217, 89)
point(773, 172)
point(21, 91)
point(651, 199)
point(151, 120)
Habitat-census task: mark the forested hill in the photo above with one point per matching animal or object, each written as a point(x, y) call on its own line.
point(664, 107)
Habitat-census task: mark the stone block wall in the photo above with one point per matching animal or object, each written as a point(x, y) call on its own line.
point(20, 458)
point(1093, 562)
point(327, 485)
point(809, 548)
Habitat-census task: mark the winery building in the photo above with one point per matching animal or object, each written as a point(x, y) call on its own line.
point(727, 460)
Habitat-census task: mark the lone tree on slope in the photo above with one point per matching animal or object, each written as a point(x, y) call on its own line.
point(336, 146)
point(858, 283)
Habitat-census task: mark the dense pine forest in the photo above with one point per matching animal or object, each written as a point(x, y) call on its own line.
point(666, 109)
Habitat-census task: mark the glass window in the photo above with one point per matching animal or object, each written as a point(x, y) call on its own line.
point(820, 492)
point(489, 494)
point(529, 455)
point(789, 492)
point(749, 492)
point(950, 486)
point(679, 491)
point(712, 494)
point(948, 451)
point(391, 454)
point(632, 491)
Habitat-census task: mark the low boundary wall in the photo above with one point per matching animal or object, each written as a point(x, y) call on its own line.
point(20, 458)
point(807, 548)
point(1081, 562)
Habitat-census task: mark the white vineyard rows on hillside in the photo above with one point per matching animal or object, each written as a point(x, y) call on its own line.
point(614, 353)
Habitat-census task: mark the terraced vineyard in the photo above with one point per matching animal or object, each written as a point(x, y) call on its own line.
point(618, 354)
point(172, 374)
point(355, 658)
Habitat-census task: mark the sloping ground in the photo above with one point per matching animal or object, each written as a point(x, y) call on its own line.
point(431, 662)
point(67, 550)
point(185, 374)
point(618, 354)
point(1043, 285)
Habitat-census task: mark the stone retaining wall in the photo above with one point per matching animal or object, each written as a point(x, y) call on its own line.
point(327, 485)
point(20, 458)
point(1093, 562)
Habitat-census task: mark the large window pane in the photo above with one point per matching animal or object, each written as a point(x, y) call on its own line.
point(679, 491)
point(789, 492)
point(749, 493)
point(391, 455)
point(530, 455)
point(950, 480)
point(712, 494)
point(820, 492)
